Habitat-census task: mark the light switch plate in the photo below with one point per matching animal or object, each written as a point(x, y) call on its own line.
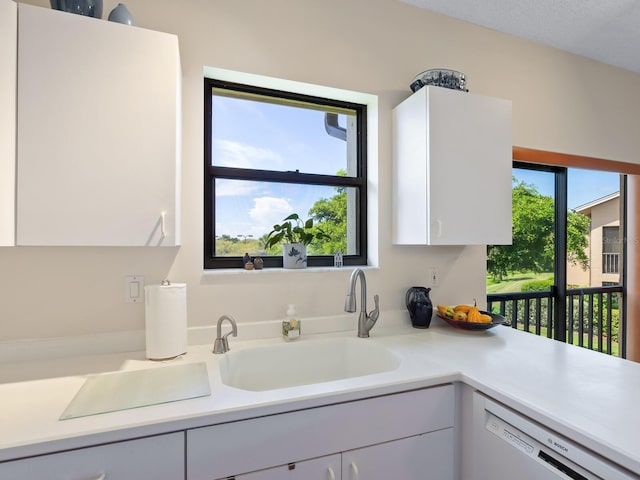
point(134, 289)
point(433, 277)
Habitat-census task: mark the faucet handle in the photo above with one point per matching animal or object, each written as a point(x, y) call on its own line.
point(376, 311)
point(225, 339)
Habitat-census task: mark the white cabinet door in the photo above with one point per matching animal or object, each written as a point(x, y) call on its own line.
point(152, 458)
point(219, 451)
point(98, 132)
point(452, 169)
point(423, 457)
point(8, 65)
point(323, 468)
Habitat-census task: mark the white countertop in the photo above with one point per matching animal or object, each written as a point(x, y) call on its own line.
point(587, 396)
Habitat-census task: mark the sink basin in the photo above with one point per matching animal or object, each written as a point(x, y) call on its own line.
point(304, 363)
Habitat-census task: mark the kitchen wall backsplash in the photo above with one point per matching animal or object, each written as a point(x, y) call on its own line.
point(376, 47)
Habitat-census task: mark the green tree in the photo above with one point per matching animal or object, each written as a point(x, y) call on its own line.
point(330, 214)
point(578, 226)
point(532, 248)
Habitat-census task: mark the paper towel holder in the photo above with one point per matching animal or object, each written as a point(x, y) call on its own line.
point(166, 333)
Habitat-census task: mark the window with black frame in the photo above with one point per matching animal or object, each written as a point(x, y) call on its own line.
point(269, 154)
point(611, 249)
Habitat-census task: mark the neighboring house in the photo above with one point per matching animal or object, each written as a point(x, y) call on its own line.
point(605, 249)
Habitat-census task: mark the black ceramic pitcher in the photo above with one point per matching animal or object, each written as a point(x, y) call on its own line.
point(419, 306)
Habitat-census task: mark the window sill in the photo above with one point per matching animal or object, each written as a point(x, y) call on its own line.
point(282, 271)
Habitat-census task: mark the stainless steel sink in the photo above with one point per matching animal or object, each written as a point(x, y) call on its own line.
point(304, 363)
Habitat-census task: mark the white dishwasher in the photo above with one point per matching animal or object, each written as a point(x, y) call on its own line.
point(511, 446)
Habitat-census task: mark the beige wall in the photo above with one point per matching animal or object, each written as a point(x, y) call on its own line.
point(606, 214)
point(578, 276)
point(561, 103)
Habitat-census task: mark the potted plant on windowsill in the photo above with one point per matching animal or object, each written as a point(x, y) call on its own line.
point(297, 235)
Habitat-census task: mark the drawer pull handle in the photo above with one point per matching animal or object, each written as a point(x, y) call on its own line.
point(102, 476)
point(354, 470)
point(332, 476)
point(163, 230)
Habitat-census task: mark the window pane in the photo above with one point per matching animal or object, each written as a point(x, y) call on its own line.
point(527, 264)
point(275, 153)
point(611, 239)
point(245, 212)
point(283, 136)
point(610, 252)
point(594, 197)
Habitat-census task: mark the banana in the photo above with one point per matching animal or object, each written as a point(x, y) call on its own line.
point(445, 311)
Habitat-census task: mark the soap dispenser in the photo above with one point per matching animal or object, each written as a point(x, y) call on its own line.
point(291, 324)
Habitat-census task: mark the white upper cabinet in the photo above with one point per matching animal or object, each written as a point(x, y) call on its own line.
point(452, 169)
point(8, 52)
point(98, 132)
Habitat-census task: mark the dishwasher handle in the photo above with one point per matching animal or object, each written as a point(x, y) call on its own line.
point(562, 467)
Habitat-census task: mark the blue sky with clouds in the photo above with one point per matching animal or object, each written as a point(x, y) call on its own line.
point(583, 186)
point(249, 134)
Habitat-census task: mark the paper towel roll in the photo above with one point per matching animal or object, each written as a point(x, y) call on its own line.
point(165, 320)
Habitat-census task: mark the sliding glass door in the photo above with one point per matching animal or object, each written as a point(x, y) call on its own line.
point(562, 276)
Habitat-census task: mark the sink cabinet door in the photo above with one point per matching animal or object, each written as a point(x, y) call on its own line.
point(323, 468)
point(423, 457)
point(228, 449)
point(98, 132)
point(152, 458)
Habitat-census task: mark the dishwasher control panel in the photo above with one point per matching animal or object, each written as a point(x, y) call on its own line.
point(510, 435)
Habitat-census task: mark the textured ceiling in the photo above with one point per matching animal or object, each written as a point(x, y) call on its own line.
point(604, 30)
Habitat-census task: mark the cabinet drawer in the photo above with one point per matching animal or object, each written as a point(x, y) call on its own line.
point(234, 448)
point(152, 458)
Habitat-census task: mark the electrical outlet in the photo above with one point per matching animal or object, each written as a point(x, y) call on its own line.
point(433, 277)
point(134, 289)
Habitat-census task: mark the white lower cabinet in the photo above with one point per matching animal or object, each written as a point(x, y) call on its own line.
point(323, 468)
point(407, 435)
point(423, 457)
point(153, 458)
